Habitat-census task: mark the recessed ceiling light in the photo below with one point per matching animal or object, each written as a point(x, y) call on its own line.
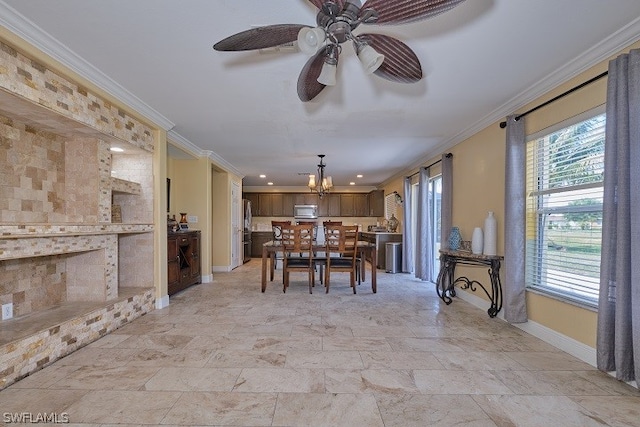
point(352, 183)
point(358, 176)
point(263, 176)
point(117, 149)
point(269, 183)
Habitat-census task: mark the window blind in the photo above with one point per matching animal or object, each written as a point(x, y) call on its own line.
point(565, 171)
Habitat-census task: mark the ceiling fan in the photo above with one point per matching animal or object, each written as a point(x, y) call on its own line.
point(380, 54)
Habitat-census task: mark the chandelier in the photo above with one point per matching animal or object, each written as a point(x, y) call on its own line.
point(324, 183)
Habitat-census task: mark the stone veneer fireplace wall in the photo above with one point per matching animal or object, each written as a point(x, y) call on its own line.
point(71, 273)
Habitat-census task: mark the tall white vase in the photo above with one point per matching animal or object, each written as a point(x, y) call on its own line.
point(490, 235)
point(477, 241)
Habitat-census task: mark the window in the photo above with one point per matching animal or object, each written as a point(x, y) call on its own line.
point(390, 205)
point(565, 171)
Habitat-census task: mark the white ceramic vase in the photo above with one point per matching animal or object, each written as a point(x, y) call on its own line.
point(477, 241)
point(490, 235)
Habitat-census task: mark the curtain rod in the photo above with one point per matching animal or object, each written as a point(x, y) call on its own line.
point(449, 155)
point(562, 95)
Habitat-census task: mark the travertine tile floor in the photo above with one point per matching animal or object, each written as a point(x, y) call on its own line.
point(225, 354)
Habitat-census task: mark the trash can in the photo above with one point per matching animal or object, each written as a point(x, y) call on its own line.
point(393, 257)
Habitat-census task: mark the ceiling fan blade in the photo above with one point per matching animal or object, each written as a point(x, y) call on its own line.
point(308, 85)
point(260, 37)
point(403, 11)
point(400, 62)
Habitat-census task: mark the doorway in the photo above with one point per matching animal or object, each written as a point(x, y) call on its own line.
point(435, 215)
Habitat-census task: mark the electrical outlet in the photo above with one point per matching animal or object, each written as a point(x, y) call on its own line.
point(7, 311)
point(192, 219)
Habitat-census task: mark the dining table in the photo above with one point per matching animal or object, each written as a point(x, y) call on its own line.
point(368, 252)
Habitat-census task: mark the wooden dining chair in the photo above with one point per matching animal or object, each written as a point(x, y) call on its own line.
point(297, 242)
point(341, 248)
point(276, 229)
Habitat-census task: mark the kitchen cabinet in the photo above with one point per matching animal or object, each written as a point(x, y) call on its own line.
point(360, 205)
point(277, 206)
point(306, 199)
point(288, 201)
point(264, 202)
point(255, 203)
point(354, 204)
point(346, 205)
point(258, 238)
point(379, 239)
point(376, 203)
point(329, 205)
point(183, 263)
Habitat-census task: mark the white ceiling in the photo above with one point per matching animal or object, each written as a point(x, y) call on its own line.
point(481, 61)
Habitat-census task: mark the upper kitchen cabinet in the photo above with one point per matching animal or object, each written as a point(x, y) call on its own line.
point(329, 205)
point(376, 203)
point(288, 201)
point(306, 199)
point(354, 204)
point(255, 204)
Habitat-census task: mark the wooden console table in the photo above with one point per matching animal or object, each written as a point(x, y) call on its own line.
point(445, 284)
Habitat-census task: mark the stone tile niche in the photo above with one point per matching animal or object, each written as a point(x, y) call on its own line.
point(70, 273)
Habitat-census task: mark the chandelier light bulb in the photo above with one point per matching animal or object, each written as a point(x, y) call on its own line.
point(310, 40)
point(370, 59)
point(327, 75)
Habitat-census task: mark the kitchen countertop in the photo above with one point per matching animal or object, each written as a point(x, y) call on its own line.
point(379, 232)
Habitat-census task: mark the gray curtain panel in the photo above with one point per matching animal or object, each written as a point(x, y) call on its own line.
point(514, 292)
point(407, 231)
point(424, 251)
point(446, 202)
point(618, 342)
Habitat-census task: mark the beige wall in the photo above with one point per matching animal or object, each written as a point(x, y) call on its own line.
point(221, 219)
point(191, 194)
point(478, 187)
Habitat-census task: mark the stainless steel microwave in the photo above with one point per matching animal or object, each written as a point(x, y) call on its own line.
point(305, 211)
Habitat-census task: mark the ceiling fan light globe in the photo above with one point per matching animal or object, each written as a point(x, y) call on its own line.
point(327, 75)
point(370, 59)
point(310, 40)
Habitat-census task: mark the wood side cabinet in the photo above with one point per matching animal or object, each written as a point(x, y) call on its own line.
point(183, 263)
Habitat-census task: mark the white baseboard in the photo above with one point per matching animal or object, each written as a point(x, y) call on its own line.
point(221, 268)
point(207, 278)
point(162, 302)
point(573, 347)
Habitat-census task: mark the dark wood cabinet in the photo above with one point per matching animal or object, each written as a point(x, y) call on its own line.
point(346, 205)
point(329, 205)
point(360, 205)
point(277, 205)
point(255, 203)
point(258, 238)
point(354, 204)
point(376, 203)
point(183, 260)
point(264, 204)
point(306, 199)
point(288, 201)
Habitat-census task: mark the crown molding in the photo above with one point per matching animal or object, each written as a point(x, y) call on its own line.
point(608, 47)
point(180, 141)
point(31, 33)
